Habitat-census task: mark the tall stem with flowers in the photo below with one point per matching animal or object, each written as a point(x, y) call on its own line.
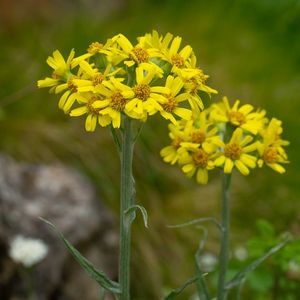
point(226, 137)
point(119, 85)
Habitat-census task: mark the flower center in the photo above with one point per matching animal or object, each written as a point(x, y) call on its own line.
point(90, 107)
point(270, 155)
point(177, 60)
point(94, 47)
point(233, 151)
point(236, 117)
point(176, 142)
point(118, 102)
point(139, 54)
point(71, 86)
point(142, 91)
point(200, 158)
point(170, 105)
point(198, 136)
point(97, 79)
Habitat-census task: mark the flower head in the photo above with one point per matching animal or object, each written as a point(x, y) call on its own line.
point(242, 117)
point(137, 79)
point(270, 148)
point(227, 138)
point(236, 153)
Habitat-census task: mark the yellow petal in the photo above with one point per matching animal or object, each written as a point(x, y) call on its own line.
point(228, 165)
point(188, 168)
point(248, 160)
point(277, 167)
point(241, 167)
point(90, 123)
point(202, 176)
point(76, 112)
point(184, 113)
point(220, 160)
point(175, 45)
point(104, 120)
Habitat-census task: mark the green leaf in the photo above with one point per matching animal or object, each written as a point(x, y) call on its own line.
point(178, 291)
point(265, 228)
point(96, 274)
point(197, 221)
point(131, 212)
point(239, 277)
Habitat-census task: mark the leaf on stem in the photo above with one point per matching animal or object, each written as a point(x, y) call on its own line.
point(196, 221)
point(176, 292)
point(239, 277)
point(96, 274)
point(131, 212)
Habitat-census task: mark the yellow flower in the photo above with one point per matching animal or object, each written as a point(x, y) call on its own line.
point(146, 97)
point(178, 133)
point(178, 59)
point(155, 41)
point(242, 117)
point(170, 102)
point(90, 76)
point(271, 149)
point(93, 49)
point(197, 161)
point(160, 75)
point(87, 101)
point(202, 133)
point(69, 96)
point(115, 97)
point(134, 54)
point(58, 63)
point(235, 153)
point(61, 70)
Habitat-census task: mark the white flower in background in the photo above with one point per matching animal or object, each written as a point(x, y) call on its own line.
point(294, 267)
point(27, 251)
point(208, 262)
point(241, 253)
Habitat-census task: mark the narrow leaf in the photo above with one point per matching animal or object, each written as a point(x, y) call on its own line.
point(132, 209)
point(178, 291)
point(96, 274)
point(197, 221)
point(239, 277)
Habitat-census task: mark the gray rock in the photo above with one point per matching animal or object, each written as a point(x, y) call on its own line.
point(67, 199)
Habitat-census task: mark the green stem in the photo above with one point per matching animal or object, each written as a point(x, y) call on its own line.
point(223, 259)
point(127, 200)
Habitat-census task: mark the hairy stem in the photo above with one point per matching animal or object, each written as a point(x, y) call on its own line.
point(127, 200)
point(223, 258)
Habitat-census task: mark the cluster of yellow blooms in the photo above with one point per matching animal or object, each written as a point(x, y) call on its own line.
point(227, 137)
point(157, 75)
point(117, 77)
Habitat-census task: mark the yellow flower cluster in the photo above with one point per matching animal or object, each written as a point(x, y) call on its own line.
point(227, 137)
point(154, 75)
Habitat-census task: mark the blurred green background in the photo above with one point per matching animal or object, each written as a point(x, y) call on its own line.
point(251, 50)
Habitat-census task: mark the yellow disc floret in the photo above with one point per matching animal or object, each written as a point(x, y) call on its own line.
point(177, 60)
point(139, 54)
point(142, 91)
point(200, 158)
point(233, 151)
point(118, 102)
point(170, 105)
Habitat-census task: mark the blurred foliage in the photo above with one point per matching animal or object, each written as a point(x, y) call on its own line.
point(251, 50)
point(279, 277)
